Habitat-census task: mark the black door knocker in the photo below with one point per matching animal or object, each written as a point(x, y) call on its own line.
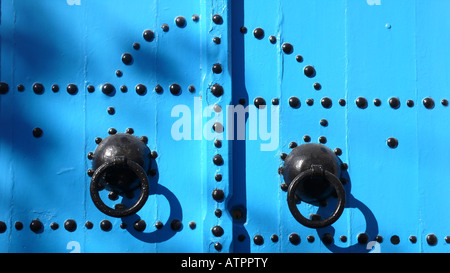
point(120, 164)
point(312, 173)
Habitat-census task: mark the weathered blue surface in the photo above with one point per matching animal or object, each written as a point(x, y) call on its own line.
point(376, 49)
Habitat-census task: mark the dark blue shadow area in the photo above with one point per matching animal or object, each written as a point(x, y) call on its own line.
point(176, 213)
point(237, 204)
point(369, 218)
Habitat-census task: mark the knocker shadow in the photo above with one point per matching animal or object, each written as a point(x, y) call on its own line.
point(169, 228)
point(369, 218)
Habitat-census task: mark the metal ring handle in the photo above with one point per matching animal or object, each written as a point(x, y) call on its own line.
point(140, 173)
point(296, 212)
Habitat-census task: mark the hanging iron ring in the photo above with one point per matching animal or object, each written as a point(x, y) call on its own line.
point(143, 182)
point(291, 198)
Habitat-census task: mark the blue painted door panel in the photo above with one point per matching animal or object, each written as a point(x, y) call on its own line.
point(372, 49)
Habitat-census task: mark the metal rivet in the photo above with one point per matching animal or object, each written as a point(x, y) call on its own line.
point(195, 18)
point(148, 35)
point(342, 102)
point(113, 196)
point(259, 102)
point(322, 139)
point(379, 239)
point(20, 88)
point(218, 213)
point(140, 225)
point(127, 58)
point(192, 225)
point(394, 102)
point(18, 225)
point(217, 231)
point(392, 142)
point(37, 132)
point(361, 103)
point(112, 131)
point(317, 86)
point(36, 226)
point(176, 225)
point(343, 238)
point(218, 246)
point(129, 131)
point(217, 19)
point(217, 40)
point(119, 73)
point(217, 143)
point(274, 238)
point(72, 89)
point(218, 160)
point(243, 29)
point(413, 239)
point(293, 144)
point(395, 240)
point(410, 103)
point(287, 48)
point(432, 239)
point(38, 88)
point(4, 88)
point(217, 68)
point(444, 102)
point(273, 39)
point(258, 33)
point(98, 140)
point(324, 122)
point(218, 177)
point(428, 103)
point(89, 225)
point(165, 27)
point(309, 71)
point(218, 194)
point(175, 89)
point(180, 21)
point(159, 225)
point(108, 89)
point(70, 225)
point(217, 90)
point(327, 239)
point(310, 239)
point(241, 237)
point(55, 88)
point(294, 238)
point(299, 58)
point(124, 88)
point(326, 102)
point(306, 138)
point(141, 89)
point(363, 238)
point(258, 240)
point(159, 89)
point(136, 46)
point(111, 110)
point(275, 101)
point(310, 102)
point(377, 102)
point(90, 88)
point(294, 102)
point(105, 225)
point(54, 226)
point(338, 151)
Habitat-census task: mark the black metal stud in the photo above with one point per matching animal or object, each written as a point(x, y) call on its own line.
point(310, 102)
point(108, 89)
point(55, 88)
point(432, 239)
point(342, 102)
point(105, 225)
point(392, 142)
point(294, 102)
point(218, 246)
point(36, 226)
point(327, 239)
point(274, 238)
point(119, 73)
point(287, 48)
point(218, 143)
point(217, 90)
point(306, 138)
point(148, 35)
point(175, 89)
point(20, 88)
point(299, 58)
point(218, 213)
point(361, 103)
point(4, 88)
point(192, 225)
point(180, 21)
point(165, 27)
point(38, 88)
point(410, 103)
point(72, 89)
point(363, 238)
point(259, 102)
point(159, 89)
point(444, 102)
point(258, 33)
point(176, 225)
point(218, 194)
point(37, 132)
point(310, 238)
point(70, 225)
point(309, 71)
point(90, 88)
point(159, 225)
point(195, 18)
point(322, 139)
point(217, 40)
point(273, 39)
point(127, 58)
point(395, 240)
point(140, 225)
point(243, 29)
point(141, 89)
point(275, 101)
point(413, 239)
point(54, 226)
point(111, 110)
point(18, 225)
point(136, 46)
point(377, 102)
point(217, 68)
point(317, 86)
point(394, 102)
point(294, 238)
point(218, 160)
point(258, 240)
point(217, 231)
point(326, 102)
point(217, 19)
point(428, 103)
point(88, 225)
point(324, 122)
